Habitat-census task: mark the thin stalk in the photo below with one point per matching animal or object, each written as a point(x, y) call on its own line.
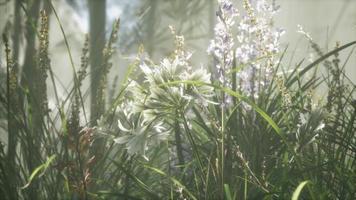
point(222, 148)
point(70, 56)
point(193, 144)
point(79, 160)
point(245, 185)
point(179, 144)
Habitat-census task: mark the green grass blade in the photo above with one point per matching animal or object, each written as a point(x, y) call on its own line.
point(299, 189)
point(227, 192)
point(319, 60)
point(42, 168)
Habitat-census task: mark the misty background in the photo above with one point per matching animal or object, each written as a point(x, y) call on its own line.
point(146, 22)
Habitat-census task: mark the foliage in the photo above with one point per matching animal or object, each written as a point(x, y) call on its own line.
point(245, 129)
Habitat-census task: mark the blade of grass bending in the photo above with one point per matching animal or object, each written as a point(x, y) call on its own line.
point(256, 108)
point(293, 72)
point(298, 190)
point(40, 168)
point(70, 58)
point(319, 60)
point(175, 181)
point(237, 95)
point(344, 65)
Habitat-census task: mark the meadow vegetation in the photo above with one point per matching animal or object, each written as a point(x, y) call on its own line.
point(246, 126)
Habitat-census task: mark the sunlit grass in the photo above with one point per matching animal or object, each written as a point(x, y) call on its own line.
point(246, 129)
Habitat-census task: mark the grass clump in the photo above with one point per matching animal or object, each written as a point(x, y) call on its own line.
point(240, 128)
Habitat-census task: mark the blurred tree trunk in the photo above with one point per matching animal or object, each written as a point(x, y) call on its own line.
point(97, 17)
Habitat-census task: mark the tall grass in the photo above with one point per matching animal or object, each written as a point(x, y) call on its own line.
point(245, 129)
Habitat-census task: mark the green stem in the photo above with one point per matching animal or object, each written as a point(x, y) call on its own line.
point(222, 148)
point(179, 144)
point(193, 144)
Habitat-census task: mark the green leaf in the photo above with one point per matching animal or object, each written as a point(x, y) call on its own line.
point(297, 191)
point(227, 192)
point(40, 168)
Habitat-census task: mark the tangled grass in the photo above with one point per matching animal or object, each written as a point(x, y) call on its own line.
point(245, 129)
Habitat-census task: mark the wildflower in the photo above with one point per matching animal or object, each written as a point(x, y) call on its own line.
point(138, 134)
point(221, 47)
point(258, 42)
point(173, 84)
point(201, 93)
point(166, 97)
point(168, 90)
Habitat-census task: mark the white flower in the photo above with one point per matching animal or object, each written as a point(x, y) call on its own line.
point(138, 134)
point(258, 42)
point(221, 47)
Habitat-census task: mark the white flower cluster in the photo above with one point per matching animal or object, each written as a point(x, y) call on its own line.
point(137, 133)
point(257, 43)
point(171, 86)
point(221, 47)
point(166, 93)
